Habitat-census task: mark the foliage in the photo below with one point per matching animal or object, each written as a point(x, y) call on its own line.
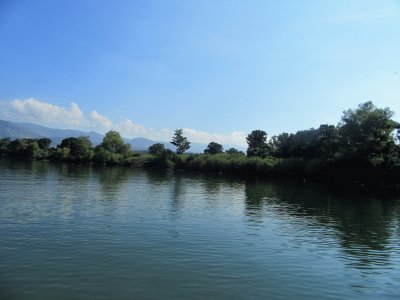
point(4, 142)
point(280, 145)
point(214, 148)
point(180, 142)
point(112, 142)
point(234, 151)
point(363, 149)
point(367, 132)
point(328, 141)
point(27, 148)
point(257, 144)
point(113, 150)
point(44, 143)
point(157, 149)
point(75, 149)
point(225, 163)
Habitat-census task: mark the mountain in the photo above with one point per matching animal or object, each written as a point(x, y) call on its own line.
point(13, 131)
point(16, 130)
point(30, 130)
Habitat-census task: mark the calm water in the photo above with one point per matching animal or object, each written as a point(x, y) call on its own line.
point(82, 232)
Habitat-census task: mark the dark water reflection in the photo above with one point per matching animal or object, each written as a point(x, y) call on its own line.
point(364, 225)
point(76, 231)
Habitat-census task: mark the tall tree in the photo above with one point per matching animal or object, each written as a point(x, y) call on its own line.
point(180, 142)
point(305, 143)
point(44, 143)
point(234, 151)
point(112, 150)
point(328, 141)
point(75, 149)
point(280, 145)
point(367, 131)
point(257, 144)
point(112, 142)
point(214, 148)
point(157, 149)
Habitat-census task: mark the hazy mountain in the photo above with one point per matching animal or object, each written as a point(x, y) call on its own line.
point(30, 130)
point(15, 130)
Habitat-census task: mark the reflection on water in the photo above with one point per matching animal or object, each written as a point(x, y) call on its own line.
point(363, 224)
point(189, 235)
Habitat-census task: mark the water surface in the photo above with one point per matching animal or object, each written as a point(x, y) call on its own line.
point(85, 232)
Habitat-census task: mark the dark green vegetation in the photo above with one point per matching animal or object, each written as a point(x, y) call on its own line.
point(362, 149)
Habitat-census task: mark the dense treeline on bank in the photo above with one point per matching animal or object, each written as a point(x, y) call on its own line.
point(362, 149)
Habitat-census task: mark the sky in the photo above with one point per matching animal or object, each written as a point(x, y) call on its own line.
point(217, 69)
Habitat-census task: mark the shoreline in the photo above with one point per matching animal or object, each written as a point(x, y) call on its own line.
point(245, 172)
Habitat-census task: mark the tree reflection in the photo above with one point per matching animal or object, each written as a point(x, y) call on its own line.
point(111, 177)
point(362, 223)
point(177, 198)
point(76, 171)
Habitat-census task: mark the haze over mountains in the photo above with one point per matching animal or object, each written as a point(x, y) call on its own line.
point(16, 130)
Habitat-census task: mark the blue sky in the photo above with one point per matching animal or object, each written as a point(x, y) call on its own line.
point(218, 69)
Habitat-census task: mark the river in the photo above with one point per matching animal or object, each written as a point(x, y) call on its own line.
point(84, 232)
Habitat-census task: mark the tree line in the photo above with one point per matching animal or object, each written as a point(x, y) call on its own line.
point(112, 150)
point(367, 133)
point(364, 146)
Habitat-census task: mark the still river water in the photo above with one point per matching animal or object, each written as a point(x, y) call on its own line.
point(85, 232)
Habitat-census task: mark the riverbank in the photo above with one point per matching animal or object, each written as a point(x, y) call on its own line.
point(354, 174)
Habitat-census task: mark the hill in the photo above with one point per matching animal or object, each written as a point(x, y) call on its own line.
point(16, 130)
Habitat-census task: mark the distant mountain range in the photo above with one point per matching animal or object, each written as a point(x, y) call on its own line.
point(16, 130)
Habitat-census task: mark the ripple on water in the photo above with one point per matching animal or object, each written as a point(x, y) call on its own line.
point(110, 233)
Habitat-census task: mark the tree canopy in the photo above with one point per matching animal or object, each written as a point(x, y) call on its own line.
point(234, 151)
point(112, 150)
point(157, 149)
point(76, 149)
point(367, 131)
point(214, 148)
point(112, 142)
point(257, 144)
point(181, 143)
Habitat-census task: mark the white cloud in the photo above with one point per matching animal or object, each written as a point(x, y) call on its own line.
point(99, 120)
point(32, 110)
point(35, 111)
point(235, 138)
point(132, 129)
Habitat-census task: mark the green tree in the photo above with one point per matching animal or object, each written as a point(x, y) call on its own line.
point(113, 143)
point(214, 148)
point(79, 149)
point(367, 132)
point(25, 148)
point(101, 155)
point(304, 143)
point(4, 142)
point(112, 150)
point(257, 144)
point(44, 143)
point(234, 151)
point(281, 145)
point(180, 142)
point(328, 141)
point(157, 149)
